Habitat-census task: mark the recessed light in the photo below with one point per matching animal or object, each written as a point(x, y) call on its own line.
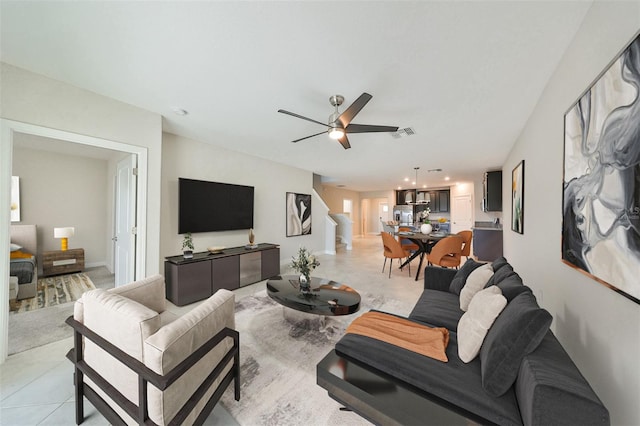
point(180, 111)
point(424, 186)
point(399, 187)
point(406, 179)
point(413, 183)
point(447, 178)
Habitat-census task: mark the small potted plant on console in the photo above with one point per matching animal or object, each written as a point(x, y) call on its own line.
point(187, 246)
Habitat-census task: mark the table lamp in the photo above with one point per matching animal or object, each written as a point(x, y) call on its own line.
point(63, 234)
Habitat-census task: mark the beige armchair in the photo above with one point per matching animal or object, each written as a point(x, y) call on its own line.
point(138, 363)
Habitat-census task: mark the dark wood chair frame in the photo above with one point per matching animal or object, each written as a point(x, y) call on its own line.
point(145, 375)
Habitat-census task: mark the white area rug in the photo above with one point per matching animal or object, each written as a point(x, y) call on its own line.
point(278, 364)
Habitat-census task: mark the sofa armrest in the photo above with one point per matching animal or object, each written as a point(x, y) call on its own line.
point(437, 278)
point(172, 343)
point(551, 390)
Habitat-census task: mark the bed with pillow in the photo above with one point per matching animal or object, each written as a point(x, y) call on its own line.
point(22, 264)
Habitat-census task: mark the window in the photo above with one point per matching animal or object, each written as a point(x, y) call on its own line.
point(346, 207)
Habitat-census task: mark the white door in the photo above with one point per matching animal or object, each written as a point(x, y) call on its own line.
point(461, 213)
point(125, 221)
point(383, 213)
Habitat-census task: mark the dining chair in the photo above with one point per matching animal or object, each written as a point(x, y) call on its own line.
point(392, 250)
point(406, 243)
point(466, 247)
point(446, 252)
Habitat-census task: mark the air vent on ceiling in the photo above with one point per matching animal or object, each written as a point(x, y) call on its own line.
point(407, 131)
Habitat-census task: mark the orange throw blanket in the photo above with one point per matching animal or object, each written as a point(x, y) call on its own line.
point(427, 341)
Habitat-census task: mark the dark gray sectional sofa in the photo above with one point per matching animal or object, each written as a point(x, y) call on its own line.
point(522, 374)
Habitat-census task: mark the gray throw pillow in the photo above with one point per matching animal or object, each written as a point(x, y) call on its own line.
point(461, 276)
point(512, 286)
point(499, 263)
point(516, 332)
point(501, 273)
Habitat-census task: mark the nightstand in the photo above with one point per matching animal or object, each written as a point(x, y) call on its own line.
point(62, 262)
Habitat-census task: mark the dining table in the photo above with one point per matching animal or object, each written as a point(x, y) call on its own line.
point(424, 243)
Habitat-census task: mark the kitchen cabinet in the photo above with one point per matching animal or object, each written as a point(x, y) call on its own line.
point(492, 201)
point(487, 243)
point(439, 200)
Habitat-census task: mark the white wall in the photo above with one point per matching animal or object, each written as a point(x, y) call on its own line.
point(36, 99)
point(187, 158)
point(599, 328)
point(63, 190)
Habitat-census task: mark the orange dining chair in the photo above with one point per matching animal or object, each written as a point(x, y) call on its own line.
point(406, 243)
point(392, 250)
point(446, 252)
point(466, 247)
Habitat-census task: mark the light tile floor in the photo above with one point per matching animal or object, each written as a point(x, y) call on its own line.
point(36, 386)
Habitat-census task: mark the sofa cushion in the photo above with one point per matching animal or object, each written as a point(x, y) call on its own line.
point(499, 263)
point(475, 282)
point(461, 276)
point(512, 286)
point(454, 381)
point(484, 308)
point(500, 274)
point(437, 308)
point(515, 333)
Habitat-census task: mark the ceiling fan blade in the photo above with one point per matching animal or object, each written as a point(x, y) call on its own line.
point(307, 137)
point(348, 114)
point(344, 141)
point(293, 114)
point(368, 128)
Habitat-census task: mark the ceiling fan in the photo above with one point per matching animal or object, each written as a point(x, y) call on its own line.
point(340, 124)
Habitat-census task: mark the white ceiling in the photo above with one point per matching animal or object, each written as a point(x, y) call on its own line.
point(464, 75)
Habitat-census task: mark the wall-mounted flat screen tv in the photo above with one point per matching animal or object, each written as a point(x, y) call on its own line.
point(213, 206)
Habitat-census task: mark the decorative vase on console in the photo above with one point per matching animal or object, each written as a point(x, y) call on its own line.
point(426, 228)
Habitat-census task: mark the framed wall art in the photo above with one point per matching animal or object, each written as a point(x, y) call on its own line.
point(517, 198)
point(601, 183)
point(298, 214)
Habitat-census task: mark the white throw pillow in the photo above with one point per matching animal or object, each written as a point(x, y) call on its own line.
point(475, 282)
point(484, 308)
point(14, 247)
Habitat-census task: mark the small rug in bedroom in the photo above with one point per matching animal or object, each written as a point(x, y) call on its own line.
point(278, 364)
point(52, 291)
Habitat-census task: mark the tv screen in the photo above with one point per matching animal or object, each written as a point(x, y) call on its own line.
point(213, 206)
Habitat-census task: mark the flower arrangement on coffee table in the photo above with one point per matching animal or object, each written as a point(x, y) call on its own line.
point(304, 263)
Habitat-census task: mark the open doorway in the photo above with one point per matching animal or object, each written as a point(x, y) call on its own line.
point(12, 132)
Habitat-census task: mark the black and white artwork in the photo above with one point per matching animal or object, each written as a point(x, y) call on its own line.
point(601, 186)
point(298, 214)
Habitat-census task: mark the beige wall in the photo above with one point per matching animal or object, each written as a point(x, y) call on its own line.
point(184, 157)
point(62, 190)
point(599, 328)
point(334, 197)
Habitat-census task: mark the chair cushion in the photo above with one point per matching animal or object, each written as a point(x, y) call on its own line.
point(516, 332)
point(475, 282)
point(484, 308)
point(461, 276)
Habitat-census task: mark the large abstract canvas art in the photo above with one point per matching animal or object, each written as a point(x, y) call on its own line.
point(601, 187)
point(298, 214)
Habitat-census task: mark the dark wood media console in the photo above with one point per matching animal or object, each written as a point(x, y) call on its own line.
point(190, 280)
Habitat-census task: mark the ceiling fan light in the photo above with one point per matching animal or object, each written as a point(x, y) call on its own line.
point(336, 133)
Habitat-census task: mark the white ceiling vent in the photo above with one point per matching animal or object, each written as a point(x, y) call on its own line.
point(407, 131)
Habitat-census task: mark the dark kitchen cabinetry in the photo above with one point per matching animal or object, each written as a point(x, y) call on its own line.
point(190, 280)
point(439, 200)
point(492, 201)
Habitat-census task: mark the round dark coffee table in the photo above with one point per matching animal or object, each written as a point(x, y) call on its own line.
point(326, 297)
